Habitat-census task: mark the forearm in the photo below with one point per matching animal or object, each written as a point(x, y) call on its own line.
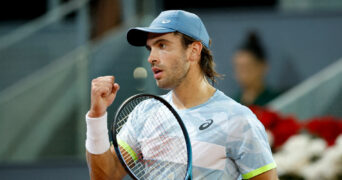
point(102, 162)
point(104, 166)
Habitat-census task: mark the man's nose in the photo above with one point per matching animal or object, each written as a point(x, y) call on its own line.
point(152, 58)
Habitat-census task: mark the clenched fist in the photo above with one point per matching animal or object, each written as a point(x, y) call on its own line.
point(103, 93)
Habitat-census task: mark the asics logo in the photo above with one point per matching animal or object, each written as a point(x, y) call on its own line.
point(206, 124)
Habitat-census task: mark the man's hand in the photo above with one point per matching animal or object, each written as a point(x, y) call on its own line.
point(103, 93)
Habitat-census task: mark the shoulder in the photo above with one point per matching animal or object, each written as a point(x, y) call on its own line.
point(240, 118)
point(233, 108)
point(221, 99)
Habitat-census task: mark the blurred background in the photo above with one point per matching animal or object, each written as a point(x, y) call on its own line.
point(51, 49)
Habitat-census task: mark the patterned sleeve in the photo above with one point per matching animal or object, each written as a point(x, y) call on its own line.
point(248, 146)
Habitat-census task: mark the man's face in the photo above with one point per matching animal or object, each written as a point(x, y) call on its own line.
point(248, 71)
point(168, 59)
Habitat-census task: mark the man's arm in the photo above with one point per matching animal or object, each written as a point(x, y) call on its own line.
point(102, 162)
point(105, 166)
point(268, 175)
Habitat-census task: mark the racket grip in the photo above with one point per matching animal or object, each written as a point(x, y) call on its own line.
point(97, 141)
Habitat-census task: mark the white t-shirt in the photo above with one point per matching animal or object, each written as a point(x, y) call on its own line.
point(227, 140)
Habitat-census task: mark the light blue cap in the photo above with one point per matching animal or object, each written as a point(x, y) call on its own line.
point(170, 21)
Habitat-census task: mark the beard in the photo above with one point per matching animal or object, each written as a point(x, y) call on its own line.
point(174, 75)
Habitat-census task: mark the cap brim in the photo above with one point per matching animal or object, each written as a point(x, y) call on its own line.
point(138, 36)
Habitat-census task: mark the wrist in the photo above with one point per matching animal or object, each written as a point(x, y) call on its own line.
point(97, 141)
point(95, 114)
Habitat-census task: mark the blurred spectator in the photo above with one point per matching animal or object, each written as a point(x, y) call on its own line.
point(250, 65)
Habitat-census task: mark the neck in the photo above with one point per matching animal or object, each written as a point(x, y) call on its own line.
point(192, 92)
point(250, 93)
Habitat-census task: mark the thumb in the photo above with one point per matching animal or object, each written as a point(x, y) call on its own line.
point(116, 88)
point(112, 95)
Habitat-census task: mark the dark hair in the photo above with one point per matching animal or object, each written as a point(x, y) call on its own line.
point(206, 63)
point(252, 44)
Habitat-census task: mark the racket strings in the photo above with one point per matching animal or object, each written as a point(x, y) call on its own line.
point(166, 138)
point(165, 151)
point(127, 111)
point(172, 144)
point(164, 112)
point(159, 169)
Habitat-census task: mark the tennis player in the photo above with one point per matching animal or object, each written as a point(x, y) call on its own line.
point(228, 141)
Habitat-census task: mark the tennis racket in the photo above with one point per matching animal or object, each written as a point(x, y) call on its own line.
point(150, 139)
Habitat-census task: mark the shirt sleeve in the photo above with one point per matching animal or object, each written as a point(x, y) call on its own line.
point(248, 146)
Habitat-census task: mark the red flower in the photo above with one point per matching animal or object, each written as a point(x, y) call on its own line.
point(284, 129)
point(328, 128)
point(281, 127)
point(267, 117)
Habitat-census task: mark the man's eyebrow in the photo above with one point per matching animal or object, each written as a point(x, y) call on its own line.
point(156, 42)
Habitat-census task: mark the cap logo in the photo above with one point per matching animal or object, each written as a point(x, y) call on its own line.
point(165, 21)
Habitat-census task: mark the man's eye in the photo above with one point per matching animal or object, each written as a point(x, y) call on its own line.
point(162, 46)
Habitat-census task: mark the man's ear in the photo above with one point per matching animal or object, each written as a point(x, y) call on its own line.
point(195, 51)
